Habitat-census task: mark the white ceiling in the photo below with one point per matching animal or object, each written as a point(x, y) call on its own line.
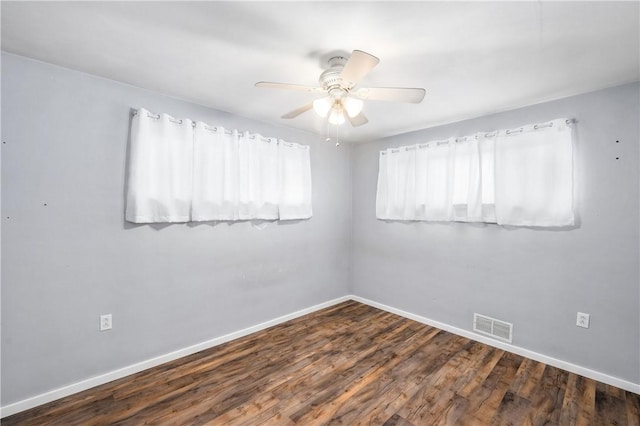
point(473, 58)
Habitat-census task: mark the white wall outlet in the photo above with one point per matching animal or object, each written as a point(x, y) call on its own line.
point(105, 322)
point(582, 320)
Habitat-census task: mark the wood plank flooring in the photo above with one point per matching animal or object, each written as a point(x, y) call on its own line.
point(349, 364)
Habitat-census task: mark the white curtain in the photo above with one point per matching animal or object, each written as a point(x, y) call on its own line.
point(396, 194)
point(474, 192)
point(216, 174)
point(435, 181)
point(259, 171)
point(206, 173)
point(160, 169)
point(534, 175)
point(294, 181)
point(515, 177)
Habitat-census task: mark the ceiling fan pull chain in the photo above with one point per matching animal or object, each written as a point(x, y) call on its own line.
point(326, 131)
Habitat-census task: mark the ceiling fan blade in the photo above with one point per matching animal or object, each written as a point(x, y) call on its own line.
point(358, 120)
point(358, 65)
point(286, 86)
point(395, 94)
point(296, 112)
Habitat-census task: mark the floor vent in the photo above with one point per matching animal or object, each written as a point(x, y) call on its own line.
point(492, 327)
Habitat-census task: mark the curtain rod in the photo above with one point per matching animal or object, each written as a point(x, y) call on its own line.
point(134, 112)
point(486, 135)
point(518, 130)
point(511, 131)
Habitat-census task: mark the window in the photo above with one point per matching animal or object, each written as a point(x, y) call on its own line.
point(510, 177)
point(181, 171)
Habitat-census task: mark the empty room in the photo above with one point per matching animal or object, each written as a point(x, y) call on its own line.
point(314, 213)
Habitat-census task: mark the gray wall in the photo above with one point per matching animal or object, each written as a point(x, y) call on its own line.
point(536, 279)
point(168, 287)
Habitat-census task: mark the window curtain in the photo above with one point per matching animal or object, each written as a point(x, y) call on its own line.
point(295, 181)
point(534, 175)
point(160, 169)
point(512, 177)
point(180, 171)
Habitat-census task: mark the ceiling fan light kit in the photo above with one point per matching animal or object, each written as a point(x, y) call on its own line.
point(322, 106)
point(336, 116)
point(352, 106)
point(341, 100)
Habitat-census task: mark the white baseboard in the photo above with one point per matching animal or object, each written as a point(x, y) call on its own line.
point(592, 374)
point(54, 394)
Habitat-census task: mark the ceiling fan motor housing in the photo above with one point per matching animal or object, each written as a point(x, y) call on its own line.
point(331, 78)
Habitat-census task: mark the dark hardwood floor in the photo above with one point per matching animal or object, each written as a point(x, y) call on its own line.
point(350, 364)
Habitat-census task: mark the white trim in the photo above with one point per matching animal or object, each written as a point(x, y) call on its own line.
point(80, 386)
point(55, 394)
point(592, 374)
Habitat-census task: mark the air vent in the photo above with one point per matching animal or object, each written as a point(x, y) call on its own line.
point(492, 327)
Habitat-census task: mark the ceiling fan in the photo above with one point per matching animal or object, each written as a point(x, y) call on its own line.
point(342, 100)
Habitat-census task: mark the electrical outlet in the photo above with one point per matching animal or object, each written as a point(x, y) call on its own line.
point(582, 320)
point(105, 322)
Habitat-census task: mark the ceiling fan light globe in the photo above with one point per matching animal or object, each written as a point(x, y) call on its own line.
point(322, 106)
point(336, 116)
point(353, 106)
